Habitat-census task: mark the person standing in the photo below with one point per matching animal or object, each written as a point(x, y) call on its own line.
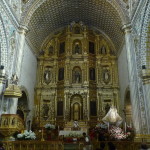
point(87, 142)
point(111, 146)
point(144, 147)
point(1, 146)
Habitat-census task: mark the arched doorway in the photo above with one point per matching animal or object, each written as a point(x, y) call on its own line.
point(76, 107)
point(22, 108)
point(128, 108)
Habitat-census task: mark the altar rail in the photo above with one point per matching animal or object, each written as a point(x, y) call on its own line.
point(34, 145)
point(59, 145)
point(120, 145)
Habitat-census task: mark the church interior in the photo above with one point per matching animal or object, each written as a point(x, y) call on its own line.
point(72, 70)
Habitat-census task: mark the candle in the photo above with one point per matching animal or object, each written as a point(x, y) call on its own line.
point(108, 126)
point(125, 127)
point(42, 139)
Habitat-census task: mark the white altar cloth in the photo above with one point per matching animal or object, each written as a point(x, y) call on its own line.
point(66, 133)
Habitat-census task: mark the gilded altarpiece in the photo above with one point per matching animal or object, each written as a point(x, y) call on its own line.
point(77, 77)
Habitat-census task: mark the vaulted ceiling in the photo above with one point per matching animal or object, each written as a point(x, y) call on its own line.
point(51, 15)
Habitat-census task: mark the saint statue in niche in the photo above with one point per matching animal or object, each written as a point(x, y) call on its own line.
point(75, 124)
point(45, 110)
point(47, 76)
point(106, 75)
point(13, 42)
point(77, 77)
point(77, 48)
point(103, 50)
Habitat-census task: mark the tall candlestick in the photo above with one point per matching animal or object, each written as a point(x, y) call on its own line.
point(125, 127)
point(42, 139)
point(108, 126)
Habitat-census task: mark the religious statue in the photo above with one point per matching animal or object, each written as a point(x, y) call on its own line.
point(77, 76)
point(28, 122)
point(112, 117)
point(75, 124)
point(47, 76)
point(14, 79)
point(12, 42)
point(45, 111)
point(77, 49)
point(103, 50)
point(106, 75)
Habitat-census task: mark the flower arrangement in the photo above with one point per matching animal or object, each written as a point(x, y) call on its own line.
point(49, 126)
point(27, 135)
point(117, 133)
point(113, 132)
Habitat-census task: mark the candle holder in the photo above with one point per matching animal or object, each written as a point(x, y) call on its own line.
point(42, 138)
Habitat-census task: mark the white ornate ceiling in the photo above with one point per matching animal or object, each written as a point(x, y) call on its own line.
point(49, 15)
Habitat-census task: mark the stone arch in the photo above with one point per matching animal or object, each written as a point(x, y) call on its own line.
point(101, 21)
point(23, 107)
point(26, 92)
point(33, 5)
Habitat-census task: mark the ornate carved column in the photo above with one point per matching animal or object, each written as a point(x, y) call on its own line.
point(22, 32)
point(137, 100)
point(2, 87)
point(2, 79)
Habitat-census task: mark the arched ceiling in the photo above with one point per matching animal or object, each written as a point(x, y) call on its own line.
point(54, 14)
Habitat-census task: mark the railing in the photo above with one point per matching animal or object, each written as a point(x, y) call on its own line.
point(59, 145)
point(34, 145)
point(120, 145)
